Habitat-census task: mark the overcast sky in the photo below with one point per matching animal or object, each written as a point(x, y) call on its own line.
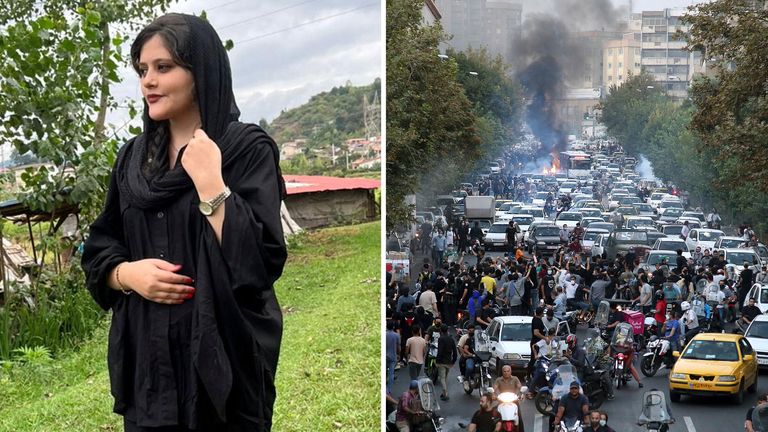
point(286, 50)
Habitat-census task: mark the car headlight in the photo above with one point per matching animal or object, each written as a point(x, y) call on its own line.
point(677, 376)
point(541, 243)
point(512, 356)
point(726, 378)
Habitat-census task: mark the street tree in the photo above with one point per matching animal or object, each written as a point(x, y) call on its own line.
point(429, 118)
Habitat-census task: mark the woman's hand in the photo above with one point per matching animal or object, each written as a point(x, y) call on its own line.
point(202, 162)
point(156, 280)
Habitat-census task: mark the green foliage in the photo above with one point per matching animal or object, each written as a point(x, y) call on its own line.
point(317, 377)
point(627, 109)
point(429, 117)
point(38, 355)
point(327, 117)
point(56, 311)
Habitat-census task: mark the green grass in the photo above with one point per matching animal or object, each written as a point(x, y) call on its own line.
point(329, 372)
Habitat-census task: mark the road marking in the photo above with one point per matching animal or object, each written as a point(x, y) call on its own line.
point(538, 423)
point(689, 424)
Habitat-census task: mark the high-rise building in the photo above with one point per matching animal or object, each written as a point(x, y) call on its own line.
point(663, 53)
point(621, 58)
point(491, 24)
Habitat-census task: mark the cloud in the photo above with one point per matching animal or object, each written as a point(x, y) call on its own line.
point(286, 52)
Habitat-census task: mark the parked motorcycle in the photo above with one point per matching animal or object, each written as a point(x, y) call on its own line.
point(657, 354)
point(655, 415)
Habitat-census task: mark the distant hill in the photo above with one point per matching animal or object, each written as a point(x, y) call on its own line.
point(340, 110)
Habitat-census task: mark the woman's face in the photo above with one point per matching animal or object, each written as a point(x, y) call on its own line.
point(166, 86)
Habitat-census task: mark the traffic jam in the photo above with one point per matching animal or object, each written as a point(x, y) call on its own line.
point(574, 293)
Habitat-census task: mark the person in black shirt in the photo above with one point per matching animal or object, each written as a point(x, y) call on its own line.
point(750, 312)
point(762, 399)
point(745, 283)
point(573, 406)
point(447, 354)
point(538, 332)
point(487, 418)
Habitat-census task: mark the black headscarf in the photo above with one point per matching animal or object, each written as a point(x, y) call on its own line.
point(203, 51)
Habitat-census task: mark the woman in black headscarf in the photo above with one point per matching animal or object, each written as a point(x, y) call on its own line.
point(189, 245)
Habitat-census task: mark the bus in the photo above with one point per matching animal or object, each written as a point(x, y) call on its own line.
point(576, 164)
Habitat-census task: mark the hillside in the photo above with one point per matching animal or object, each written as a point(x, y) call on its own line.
point(328, 116)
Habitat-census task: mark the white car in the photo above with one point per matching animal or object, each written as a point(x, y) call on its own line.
point(729, 242)
point(656, 198)
point(598, 247)
point(494, 167)
point(536, 212)
point(511, 342)
point(757, 334)
point(703, 238)
point(738, 256)
point(590, 235)
point(497, 235)
point(638, 222)
point(540, 199)
point(569, 219)
point(672, 243)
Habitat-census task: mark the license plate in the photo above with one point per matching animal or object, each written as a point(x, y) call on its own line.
point(762, 361)
point(620, 366)
point(700, 385)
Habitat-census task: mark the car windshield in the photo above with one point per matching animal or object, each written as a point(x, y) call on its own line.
point(709, 235)
point(730, 243)
point(603, 225)
point(484, 224)
point(535, 212)
point(644, 207)
point(627, 211)
point(711, 350)
point(516, 332)
point(592, 212)
point(505, 207)
point(523, 220)
point(673, 230)
point(657, 196)
point(542, 195)
point(569, 216)
point(498, 228)
point(547, 231)
point(654, 259)
point(758, 329)
point(741, 257)
point(631, 236)
point(634, 223)
point(673, 245)
point(673, 211)
point(591, 235)
point(672, 204)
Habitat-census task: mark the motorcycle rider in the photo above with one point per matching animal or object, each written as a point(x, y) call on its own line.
point(629, 359)
point(467, 350)
point(578, 358)
point(573, 406)
point(690, 320)
point(762, 399)
point(406, 409)
point(749, 313)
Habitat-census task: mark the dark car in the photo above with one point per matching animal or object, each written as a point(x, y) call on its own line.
point(621, 240)
point(544, 239)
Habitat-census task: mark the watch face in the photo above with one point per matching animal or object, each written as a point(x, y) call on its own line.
point(205, 208)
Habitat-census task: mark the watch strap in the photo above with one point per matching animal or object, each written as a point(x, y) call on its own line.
point(219, 199)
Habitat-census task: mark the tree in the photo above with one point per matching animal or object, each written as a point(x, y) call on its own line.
point(731, 116)
point(627, 108)
point(61, 57)
point(429, 118)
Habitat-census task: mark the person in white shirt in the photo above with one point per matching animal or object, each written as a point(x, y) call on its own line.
point(689, 320)
point(686, 229)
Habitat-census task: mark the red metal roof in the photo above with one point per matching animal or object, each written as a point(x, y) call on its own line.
point(297, 184)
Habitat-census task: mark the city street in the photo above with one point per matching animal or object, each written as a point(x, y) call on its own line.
point(692, 414)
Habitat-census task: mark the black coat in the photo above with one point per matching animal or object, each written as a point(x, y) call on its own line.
point(209, 363)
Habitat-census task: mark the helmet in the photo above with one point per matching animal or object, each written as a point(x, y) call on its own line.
point(571, 341)
point(685, 306)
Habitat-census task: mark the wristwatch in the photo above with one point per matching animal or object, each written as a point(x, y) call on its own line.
point(208, 207)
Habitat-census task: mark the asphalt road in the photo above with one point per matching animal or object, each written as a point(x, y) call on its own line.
point(693, 414)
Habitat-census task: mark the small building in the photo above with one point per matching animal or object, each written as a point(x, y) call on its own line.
point(292, 148)
point(318, 201)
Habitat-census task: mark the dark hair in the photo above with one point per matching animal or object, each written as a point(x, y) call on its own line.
point(175, 33)
point(416, 329)
point(390, 325)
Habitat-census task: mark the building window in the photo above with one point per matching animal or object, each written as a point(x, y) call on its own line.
point(609, 65)
point(621, 51)
point(610, 78)
point(620, 65)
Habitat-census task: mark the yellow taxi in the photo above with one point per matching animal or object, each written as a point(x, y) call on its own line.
point(714, 364)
